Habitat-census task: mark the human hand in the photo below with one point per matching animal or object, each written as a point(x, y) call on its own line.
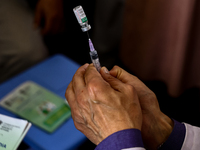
point(49, 16)
point(100, 109)
point(156, 126)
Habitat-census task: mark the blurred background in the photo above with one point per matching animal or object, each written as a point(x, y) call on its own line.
point(158, 41)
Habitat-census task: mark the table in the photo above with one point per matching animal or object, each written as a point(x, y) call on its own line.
point(55, 73)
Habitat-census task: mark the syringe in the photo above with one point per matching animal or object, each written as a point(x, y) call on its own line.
point(83, 21)
point(94, 56)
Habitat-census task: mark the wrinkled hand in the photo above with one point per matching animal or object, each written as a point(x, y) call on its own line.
point(156, 126)
point(49, 16)
point(99, 108)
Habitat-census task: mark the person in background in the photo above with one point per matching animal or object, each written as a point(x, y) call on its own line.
point(21, 46)
point(115, 110)
point(25, 24)
point(49, 16)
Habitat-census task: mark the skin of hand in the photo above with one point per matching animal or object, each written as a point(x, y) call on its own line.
point(99, 108)
point(49, 16)
point(156, 126)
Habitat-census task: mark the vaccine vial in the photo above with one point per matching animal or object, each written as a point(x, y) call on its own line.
point(82, 19)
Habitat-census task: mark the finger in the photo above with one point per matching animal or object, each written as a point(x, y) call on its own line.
point(120, 74)
point(82, 117)
point(75, 110)
point(96, 86)
point(114, 82)
point(78, 81)
point(95, 83)
point(127, 78)
point(69, 95)
point(91, 73)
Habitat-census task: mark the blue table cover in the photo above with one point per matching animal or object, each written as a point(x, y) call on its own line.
point(55, 73)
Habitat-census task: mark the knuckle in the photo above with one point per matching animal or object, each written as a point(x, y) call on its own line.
point(82, 101)
point(67, 92)
point(96, 84)
point(92, 84)
point(77, 118)
point(92, 81)
point(130, 88)
point(74, 76)
point(78, 126)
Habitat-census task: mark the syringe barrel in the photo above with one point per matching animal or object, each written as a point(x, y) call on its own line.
point(95, 60)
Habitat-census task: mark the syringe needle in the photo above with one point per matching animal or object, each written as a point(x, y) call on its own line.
point(88, 35)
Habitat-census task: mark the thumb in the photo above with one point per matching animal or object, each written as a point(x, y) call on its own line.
point(114, 82)
point(130, 79)
point(121, 74)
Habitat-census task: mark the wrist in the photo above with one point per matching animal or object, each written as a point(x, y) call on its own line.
point(164, 129)
point(157, 131)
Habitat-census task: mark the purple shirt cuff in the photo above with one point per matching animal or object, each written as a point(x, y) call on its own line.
point(176, 138)
point(128, 138)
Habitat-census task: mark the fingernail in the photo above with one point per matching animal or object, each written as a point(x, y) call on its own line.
point(106, 70)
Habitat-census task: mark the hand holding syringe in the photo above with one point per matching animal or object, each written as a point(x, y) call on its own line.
point(82, 19)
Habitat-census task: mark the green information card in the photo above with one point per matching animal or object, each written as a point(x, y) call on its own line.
point(38, 105)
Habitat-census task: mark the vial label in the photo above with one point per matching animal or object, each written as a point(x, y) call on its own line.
point(80, 14)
